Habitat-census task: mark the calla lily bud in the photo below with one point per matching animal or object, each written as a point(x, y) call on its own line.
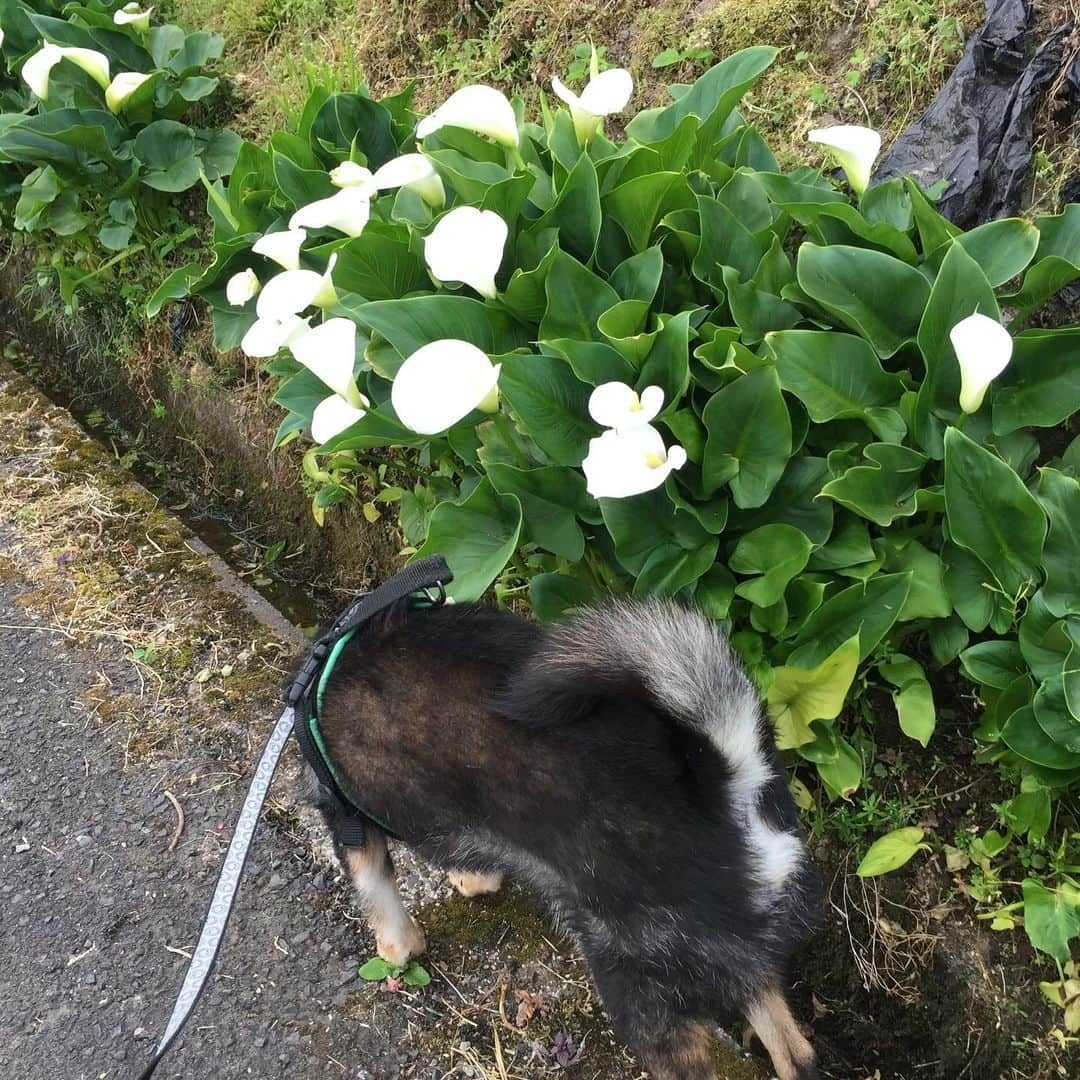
point(350, 174)
point(616, 405)
point(131, 15)
point(482, 109)
point(983, 348)
point(624, 463)
point(466, 245)
point(333, 415)
point(854, 148)
point(348, 211)
point(122, 87)
point(607, 93)
point(415, 172)
point(267, 337)
point(441, 383)
point(37, 69)
point(241, 287)
point(329, 353)
point(293, 291)
point(281, 247)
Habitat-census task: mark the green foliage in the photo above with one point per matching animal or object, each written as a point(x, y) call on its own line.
point(94, 172)
point(892, 851)
point(836, 501)
point(377, 969)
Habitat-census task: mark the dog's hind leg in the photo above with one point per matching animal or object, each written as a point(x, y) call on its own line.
point(682, 1052)
point(397, 934)
point(792, 1055)
point(469, 883)
point(670, 1045)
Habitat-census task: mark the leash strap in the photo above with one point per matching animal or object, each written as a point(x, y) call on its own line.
point(202, 960)
point(420, 576)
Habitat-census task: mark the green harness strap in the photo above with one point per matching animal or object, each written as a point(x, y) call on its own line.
point(316, 734)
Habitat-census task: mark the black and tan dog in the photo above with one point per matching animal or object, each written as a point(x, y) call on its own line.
point(621, 765)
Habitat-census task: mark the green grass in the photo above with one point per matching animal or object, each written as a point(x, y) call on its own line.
point(826, 72)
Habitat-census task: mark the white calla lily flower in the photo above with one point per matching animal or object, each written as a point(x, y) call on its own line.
point(328, 351)
point(441, 383)
point(415, 172)
point(855, 149)
point(350, 174)
point(267, 337)
point(624, 463)
point(240, 288)
point(983, 348)
point(122, 87)
point(466, 245)
point(282, 247)
point(348, 211)
point(291, 292)
point(607, 93)
point(132, 15)
point(333, 415)
point(616, 405)
point(478, 108)
point(37, 69)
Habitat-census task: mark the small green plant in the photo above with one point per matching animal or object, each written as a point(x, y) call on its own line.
point(586, 58)
point(688, 55)
point(379, 970)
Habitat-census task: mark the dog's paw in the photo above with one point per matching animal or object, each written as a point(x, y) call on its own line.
point(470, 884)
point(400, 947)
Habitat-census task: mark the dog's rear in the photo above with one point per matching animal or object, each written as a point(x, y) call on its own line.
point(621, 765)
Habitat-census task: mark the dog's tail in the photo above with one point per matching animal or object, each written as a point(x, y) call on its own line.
point(659, 651)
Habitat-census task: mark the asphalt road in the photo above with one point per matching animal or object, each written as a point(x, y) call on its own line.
point(96, 909)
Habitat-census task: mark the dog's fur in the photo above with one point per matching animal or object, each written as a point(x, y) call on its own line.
point(621, 765)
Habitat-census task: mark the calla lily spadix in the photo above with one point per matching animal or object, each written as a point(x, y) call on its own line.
point(36, 70)
point(281, 247)
point(616, 405)
point(347, 211)
point(333, 415)
point(624, 463)
point(132, 15)
point(482, 109)
point(415, 172)
point(983, 349)
point(607, 93)
point(291, 292)
point(466, 245)
point(267, 337)
point(855, 149)
point(240, 288)
point(328, 351)
point(351, 174)
point(122, 87)
point(441, 383)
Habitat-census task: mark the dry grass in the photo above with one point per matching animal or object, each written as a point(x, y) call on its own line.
point(99, 561)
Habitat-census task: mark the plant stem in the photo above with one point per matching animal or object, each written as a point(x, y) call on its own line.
point(219, 201)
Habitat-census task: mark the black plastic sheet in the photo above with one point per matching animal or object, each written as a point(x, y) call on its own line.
point(978, 132)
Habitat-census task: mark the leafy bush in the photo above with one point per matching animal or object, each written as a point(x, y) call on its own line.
point(90, 133)
point(834, 470)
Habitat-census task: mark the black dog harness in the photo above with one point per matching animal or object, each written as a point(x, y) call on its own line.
point(425, 588)
point(423, 583)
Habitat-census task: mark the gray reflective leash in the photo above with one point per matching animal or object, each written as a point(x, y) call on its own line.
point(202, 960)
point(419, 577)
